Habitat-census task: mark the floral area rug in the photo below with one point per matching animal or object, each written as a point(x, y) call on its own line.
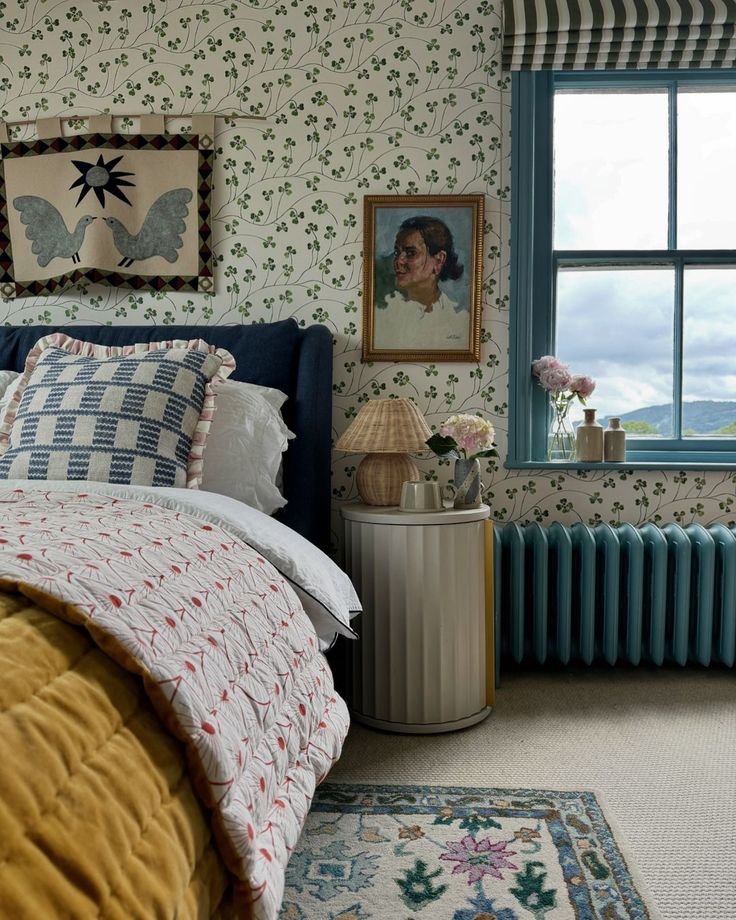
point(441, 853)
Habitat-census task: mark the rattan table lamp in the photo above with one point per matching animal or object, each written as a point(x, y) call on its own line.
point(385, 429)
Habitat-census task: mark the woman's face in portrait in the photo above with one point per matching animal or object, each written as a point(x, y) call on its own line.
point(413, 265)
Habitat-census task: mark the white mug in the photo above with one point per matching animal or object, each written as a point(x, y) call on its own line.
point(420, 497)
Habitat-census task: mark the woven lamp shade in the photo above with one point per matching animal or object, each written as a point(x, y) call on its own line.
point(385, 429)
point(386, 426)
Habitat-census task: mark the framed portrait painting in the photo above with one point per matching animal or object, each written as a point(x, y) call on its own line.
point(423, 262)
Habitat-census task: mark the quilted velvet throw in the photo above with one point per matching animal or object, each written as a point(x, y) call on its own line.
point(129, 210)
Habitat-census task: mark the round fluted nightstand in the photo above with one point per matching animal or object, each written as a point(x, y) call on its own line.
point(424, 660)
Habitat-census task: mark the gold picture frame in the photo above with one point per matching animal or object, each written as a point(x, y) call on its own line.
point(422, 277)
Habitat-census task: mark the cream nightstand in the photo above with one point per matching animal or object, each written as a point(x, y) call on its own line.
point(424, 660)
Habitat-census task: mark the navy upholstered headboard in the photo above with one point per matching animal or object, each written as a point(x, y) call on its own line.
point(282, 355)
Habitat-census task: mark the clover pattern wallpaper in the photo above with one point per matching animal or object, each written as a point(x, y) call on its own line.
point(356, 97)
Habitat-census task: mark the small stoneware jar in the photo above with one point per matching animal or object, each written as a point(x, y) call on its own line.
point(589, 439)
point(614, 441)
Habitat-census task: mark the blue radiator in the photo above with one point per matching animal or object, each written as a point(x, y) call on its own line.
point(627, 594)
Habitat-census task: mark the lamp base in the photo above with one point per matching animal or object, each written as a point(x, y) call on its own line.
point(380, 476)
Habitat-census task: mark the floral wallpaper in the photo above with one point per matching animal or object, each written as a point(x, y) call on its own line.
point(354, 97)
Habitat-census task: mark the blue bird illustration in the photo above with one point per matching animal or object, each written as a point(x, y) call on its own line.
point(47, 230)
point(161, 232)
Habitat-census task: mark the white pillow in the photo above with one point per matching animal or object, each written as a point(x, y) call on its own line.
point(9, 382)
point(242, 456)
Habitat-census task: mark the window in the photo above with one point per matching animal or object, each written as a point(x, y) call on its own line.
point(624, 256)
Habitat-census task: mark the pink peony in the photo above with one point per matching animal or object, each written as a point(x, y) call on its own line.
point(554, 375)
point(546, 362)
point(582, 385)
point(555, 379)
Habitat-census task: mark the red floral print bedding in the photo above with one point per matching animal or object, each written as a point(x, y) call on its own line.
point(223, 645)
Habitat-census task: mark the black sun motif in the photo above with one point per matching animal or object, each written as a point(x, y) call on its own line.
point(101, 177)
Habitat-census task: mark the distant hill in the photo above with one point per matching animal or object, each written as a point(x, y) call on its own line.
point(702, 416)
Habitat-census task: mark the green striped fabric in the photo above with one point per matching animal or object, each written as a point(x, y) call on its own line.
point(618, 34)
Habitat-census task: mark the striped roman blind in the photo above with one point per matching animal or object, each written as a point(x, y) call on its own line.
point(618, 34)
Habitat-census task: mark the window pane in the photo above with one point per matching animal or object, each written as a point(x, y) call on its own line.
point(709, 346)
point(611, 167)
point(616, 325)
point(706, 151)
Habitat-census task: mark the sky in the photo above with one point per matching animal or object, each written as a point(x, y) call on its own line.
point(611, 192)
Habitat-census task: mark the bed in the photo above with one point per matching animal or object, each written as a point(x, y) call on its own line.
point(180, 794)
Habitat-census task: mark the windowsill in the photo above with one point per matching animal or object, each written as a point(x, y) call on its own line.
point(632, 464)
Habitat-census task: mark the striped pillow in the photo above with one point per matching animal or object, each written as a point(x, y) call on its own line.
point(133, 414)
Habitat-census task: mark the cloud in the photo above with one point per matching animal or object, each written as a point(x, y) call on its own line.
point(706, 149)
point(617, 326)
point(611, 170)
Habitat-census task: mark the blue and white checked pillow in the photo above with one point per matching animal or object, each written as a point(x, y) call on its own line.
point(136, 414)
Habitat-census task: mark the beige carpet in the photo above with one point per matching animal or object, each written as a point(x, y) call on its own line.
point(659, 746)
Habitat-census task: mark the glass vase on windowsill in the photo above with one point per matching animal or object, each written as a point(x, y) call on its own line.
point(563, 387)
point(561, 438)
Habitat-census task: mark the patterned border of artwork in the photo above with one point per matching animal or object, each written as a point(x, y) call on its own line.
point(201, 279)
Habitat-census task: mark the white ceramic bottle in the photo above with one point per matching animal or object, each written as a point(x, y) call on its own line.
point(589, 439)
point(614, 441)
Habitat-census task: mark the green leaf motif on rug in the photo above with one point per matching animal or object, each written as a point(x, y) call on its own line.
point(475, 823)
point(596, 867)
point(417, 887)
point(472, 823)
point(530, 892)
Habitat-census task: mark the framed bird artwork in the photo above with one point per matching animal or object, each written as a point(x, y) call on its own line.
point(129, 210)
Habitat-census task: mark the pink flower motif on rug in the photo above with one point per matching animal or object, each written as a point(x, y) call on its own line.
point(478, 857)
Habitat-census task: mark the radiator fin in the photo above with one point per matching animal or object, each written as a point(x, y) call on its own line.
point(616, 594)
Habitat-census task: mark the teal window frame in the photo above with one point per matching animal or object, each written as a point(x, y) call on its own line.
point(534, 264)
